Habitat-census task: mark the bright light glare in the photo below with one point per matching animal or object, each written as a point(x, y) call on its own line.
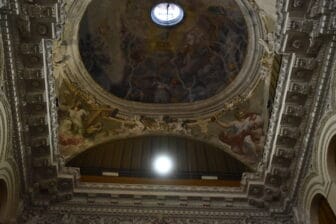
point(163, 165)
point(167, 14)
point(166, 11)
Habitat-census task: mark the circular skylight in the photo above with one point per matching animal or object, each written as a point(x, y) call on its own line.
point(167, 14)
point(163, 165)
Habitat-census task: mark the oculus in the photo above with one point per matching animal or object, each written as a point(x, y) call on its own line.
point(167, 14)
point(136, 59)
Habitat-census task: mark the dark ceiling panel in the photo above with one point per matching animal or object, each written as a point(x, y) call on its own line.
point(133, 157)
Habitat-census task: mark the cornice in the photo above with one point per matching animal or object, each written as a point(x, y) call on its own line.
point(319, 109)
point(268, 193)
point(10, 87)
point(297, 23)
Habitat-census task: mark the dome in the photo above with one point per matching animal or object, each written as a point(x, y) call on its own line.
point(132, 57)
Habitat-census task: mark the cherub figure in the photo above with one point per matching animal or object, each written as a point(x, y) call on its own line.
point(244, 135)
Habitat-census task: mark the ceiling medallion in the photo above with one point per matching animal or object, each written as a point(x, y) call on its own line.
point(167, 14)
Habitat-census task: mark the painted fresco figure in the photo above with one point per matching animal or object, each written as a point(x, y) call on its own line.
point(72, 128)
point(244, 135)
point(77, 114)
point(161, 94)
point(66, 136)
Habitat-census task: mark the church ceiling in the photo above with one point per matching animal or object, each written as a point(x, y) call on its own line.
point(240, 132)
point(133, 157)
point(267, 117)
point(128, 77)
point(133, 58)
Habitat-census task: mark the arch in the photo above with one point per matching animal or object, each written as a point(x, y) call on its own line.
point(319, 180)
point(3, 198)
point(331, 159)
point(321, 212)
point(134, 156)
point(9, 182)
point(5, 126)
point(9, 176)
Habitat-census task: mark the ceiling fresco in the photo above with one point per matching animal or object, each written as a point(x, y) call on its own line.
point(136, 60)
point(133, 58)
point(84, 123)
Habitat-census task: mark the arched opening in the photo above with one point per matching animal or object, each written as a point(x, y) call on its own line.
point(331, 158)
point(321, 212)
point(3, 199)
point(134, 158)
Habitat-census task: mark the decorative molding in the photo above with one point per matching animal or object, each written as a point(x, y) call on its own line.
point(269, 194)
point(318, 179)
point(124, 219)
point(8, 167)
point(50, 99)
point(11, 92)
point(241, 87)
